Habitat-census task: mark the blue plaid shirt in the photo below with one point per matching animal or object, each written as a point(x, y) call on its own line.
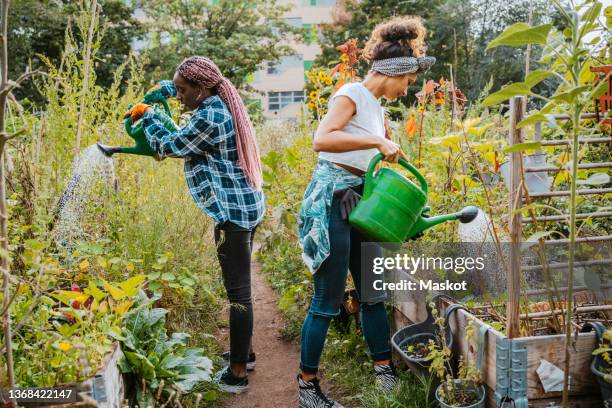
point(208, 145)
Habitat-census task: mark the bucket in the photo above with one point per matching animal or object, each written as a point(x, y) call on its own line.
point(603, 379)
point(537, 182)
point(466, 387)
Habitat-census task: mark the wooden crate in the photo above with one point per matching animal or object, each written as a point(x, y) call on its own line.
point(104, 390)
point(584, 389)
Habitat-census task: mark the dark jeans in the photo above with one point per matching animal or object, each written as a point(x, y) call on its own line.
point(234, 247)
point(329, 286)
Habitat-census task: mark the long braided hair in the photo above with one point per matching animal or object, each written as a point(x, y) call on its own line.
point(204, 72)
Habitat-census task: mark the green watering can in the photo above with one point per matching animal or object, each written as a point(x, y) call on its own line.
point(136, 132)
point(392, 207)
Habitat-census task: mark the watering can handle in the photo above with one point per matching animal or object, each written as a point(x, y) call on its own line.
point(370, 173)
point(128, 120)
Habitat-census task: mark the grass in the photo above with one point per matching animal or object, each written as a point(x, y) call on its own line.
point(348, 367)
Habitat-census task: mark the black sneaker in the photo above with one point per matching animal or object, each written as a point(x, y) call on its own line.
point(311, 395)
point(228, 382)
point(250, 364)
point(386, 378)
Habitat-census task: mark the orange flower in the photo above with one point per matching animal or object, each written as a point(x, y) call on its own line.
point(429, 86)
point(339, 84)
point(410, 127)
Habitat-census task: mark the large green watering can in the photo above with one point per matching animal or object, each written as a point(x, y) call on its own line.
point(391, 209)
point(136, 132)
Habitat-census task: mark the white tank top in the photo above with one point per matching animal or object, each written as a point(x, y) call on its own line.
point(369, 119)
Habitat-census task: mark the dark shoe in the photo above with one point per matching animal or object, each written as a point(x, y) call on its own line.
point(311, 395)
point(386, 379)
point(250, 364)
point(228, 382)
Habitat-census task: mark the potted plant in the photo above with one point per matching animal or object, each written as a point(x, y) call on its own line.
point(601, 365)
point(463, 390)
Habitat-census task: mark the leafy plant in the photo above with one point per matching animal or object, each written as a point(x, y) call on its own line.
point(568, 53)
point(163, 363)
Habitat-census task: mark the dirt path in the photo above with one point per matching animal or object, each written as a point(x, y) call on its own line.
point(273, 383)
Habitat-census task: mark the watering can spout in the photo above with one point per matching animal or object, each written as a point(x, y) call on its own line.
point(468, 214)
point(108, 150)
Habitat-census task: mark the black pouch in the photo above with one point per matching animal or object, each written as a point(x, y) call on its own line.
point(349, 197)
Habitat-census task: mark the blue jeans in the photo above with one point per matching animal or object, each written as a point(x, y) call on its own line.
point(329, 286)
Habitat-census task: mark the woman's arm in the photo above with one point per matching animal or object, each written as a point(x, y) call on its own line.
point(197, 137)
point(163, 90)
point(167, 88)
point(330, 137)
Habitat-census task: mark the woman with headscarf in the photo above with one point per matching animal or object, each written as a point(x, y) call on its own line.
point(224, 175)
point(349, 136)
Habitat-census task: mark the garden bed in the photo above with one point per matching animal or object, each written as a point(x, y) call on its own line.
point(104, 390)
point(513, 376)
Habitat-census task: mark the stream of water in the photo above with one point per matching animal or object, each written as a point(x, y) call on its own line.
point(92, 173)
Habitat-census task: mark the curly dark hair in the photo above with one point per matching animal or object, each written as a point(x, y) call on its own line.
point(399, 37)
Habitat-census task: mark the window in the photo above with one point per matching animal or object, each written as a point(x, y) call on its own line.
point(284, 64)
point(324, 3)
point(310, 33)
point(278, 100)
point(272, 68)
point(294, 21)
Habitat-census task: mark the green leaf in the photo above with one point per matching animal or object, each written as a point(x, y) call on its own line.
point(592, 13)
point(596, 179)
point(515, 89)
point(537, 76)
point(521, 147)
point(114, 291)
point(540, 234)
point(93, 290)
point(600, 89)
point(131, 286)
point(168, 276)
point(521, 34)
point(569, 96)
point(532, 120)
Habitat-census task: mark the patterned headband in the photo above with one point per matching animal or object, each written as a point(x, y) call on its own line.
point(402, 65)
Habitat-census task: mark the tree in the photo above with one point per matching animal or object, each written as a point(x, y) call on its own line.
point(237, 35)
point(458, 33)
point(38, 27)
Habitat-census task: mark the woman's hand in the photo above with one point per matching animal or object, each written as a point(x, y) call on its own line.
point(154, 95)
point(390, 149)
point(137, 111)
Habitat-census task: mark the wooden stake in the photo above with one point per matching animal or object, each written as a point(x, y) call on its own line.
point(515, 226)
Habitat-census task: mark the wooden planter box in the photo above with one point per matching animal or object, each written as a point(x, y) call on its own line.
point(103, 390)
point(521, 370)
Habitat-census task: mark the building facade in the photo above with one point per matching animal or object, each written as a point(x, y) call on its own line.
point(280, 86)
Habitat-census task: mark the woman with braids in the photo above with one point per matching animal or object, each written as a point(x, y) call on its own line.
point(349, 136)
point(223, 171)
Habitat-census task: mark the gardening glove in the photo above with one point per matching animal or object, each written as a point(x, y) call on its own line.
point(154, 95)
point(136, 111)
point(348, 202)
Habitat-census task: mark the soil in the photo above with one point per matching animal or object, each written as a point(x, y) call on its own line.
point(273, 382)
point(419, 350)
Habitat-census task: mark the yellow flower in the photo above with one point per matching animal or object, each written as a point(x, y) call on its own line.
point(322, 75)
point(310, 105)
point(65, 345)
point(328, 81)
point(421, 109)
point(344, 58)
point(322, 100)
point(314, 95)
